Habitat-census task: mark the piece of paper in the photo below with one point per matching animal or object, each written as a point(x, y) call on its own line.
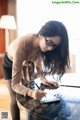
point(50, 97)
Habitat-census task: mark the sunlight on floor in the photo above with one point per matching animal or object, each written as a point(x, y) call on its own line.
point(4, 99)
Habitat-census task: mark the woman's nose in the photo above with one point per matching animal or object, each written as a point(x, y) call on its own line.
point(50, 48)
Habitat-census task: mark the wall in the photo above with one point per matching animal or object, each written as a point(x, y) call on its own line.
point(74, 50)
point(22, 20)
point(3, 10)
point(12, 11)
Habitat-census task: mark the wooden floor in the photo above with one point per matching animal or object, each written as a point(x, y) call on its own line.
point(4, 99)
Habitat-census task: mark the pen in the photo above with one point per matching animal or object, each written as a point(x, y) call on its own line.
point(70, 86)
point(38, 87)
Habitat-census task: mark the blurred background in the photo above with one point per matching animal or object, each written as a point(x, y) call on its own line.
point(20, 17)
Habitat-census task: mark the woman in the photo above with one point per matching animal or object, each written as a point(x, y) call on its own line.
point(49, 45)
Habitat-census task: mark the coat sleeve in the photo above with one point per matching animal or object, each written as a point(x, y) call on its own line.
point(18, 58)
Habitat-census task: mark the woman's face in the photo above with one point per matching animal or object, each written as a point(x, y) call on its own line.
point(49, 43)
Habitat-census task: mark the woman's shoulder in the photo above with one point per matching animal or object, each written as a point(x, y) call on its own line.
point(27, 37)
point(23, 42)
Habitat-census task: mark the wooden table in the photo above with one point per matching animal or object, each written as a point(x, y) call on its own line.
point(68, 108)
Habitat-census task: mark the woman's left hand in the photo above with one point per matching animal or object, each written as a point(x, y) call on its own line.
point(51, 83)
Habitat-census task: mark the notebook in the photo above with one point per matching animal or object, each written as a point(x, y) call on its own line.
point(50, 97)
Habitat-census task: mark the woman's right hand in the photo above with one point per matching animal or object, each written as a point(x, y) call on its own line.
point(38, 94)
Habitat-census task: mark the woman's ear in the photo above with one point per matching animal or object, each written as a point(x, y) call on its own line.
point(40, 36)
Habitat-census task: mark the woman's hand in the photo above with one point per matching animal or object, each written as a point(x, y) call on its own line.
point(38, 94)
point(51, 83)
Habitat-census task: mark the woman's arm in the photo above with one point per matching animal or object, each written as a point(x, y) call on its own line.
point(20, 55)
point(18, 58)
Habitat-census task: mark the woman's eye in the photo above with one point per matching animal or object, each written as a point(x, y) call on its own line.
point(48, 42)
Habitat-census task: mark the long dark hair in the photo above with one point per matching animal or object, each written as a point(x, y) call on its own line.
point(56, 60)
